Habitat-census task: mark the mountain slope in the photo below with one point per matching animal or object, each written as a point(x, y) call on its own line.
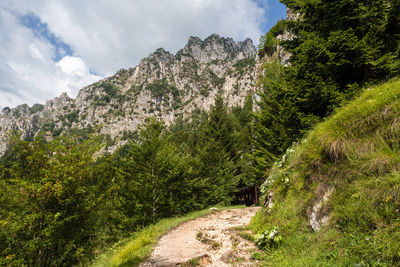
point(335, 198)
point(163, 85)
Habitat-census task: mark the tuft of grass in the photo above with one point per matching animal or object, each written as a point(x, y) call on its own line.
point(205, 240)
point(194, 262)
point(357, 153)
point(136, 249)
point(199, 235)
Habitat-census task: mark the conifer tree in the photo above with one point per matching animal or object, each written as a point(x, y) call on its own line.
point(217, 154)
point(149, 169)
point(271, 125)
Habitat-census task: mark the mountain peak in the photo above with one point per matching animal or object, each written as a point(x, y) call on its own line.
point(215, 47)
point(164, 85)
point(193, 40)
point(213, 38)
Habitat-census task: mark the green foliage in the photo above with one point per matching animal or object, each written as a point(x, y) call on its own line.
point(217, 154)
point(110, 89)
point(72, 116)
point(82, 134)
point(337, 48)
point(245, 62)
point(276, 121)
point(48, 126)
point(356, 152)
point(126, 135)
point(216, 81)
point(269, 238)
point(100, 100)
point(268, 42)
point(160, 185)
point(36, 108)
point(161, 89)
point(57, 132)
point(45, 202)
point(205, 92)
point(345, 46)
point(135, 89)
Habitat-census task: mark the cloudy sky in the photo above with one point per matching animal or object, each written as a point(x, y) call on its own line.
point(52, 46)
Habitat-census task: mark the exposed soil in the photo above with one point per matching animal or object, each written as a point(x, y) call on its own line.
point(213, 240)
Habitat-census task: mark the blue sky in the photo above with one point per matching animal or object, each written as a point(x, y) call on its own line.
point(49, 47)
point(275, 11)
point(41, 31)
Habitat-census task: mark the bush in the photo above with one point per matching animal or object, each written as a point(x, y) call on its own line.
point(46, 202)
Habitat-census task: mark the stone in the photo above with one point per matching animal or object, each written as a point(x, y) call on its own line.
point(197, 72)
point(213, 209)
point(317, 220)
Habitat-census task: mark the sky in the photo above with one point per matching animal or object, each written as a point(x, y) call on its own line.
point(52, 46)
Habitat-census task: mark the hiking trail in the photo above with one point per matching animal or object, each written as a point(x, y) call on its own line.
point(217, 239)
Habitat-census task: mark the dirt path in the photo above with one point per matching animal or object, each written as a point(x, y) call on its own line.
point(212, 240)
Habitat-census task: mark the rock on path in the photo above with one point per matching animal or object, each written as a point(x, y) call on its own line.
point(207, 241)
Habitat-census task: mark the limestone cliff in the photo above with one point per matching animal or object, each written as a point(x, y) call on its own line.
point(163, 85)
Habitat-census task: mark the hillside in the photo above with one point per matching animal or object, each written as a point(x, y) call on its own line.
point(163, 85)
point(334, 198)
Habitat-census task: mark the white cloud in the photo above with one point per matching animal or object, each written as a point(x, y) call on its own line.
point(108, 35)
point(114, 34)
point(73, 66)
point(28, 73)
point(73, 73)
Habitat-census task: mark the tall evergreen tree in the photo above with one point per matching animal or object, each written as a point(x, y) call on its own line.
point(270, 129)
point(149, 174)
point(217, 154)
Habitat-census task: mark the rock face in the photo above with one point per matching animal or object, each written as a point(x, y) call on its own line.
point(318, 217)
point(163, 85)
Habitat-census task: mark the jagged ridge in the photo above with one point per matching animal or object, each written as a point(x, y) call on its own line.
point(162, 85)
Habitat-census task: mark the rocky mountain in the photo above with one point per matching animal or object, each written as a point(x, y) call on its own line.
point(163, 85)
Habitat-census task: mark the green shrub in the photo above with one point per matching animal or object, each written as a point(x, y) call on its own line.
point(36, 108)
point(270, 238)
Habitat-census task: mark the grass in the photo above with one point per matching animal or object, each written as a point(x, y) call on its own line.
point(205, 240)
point(194, 262)
point(357, 153)
point(137, 248)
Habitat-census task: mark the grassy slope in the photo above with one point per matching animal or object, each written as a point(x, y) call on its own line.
point(136, 249)
point(356, 152)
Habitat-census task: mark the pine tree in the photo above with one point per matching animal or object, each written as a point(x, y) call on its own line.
point(274, 120)
point(217, 154)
